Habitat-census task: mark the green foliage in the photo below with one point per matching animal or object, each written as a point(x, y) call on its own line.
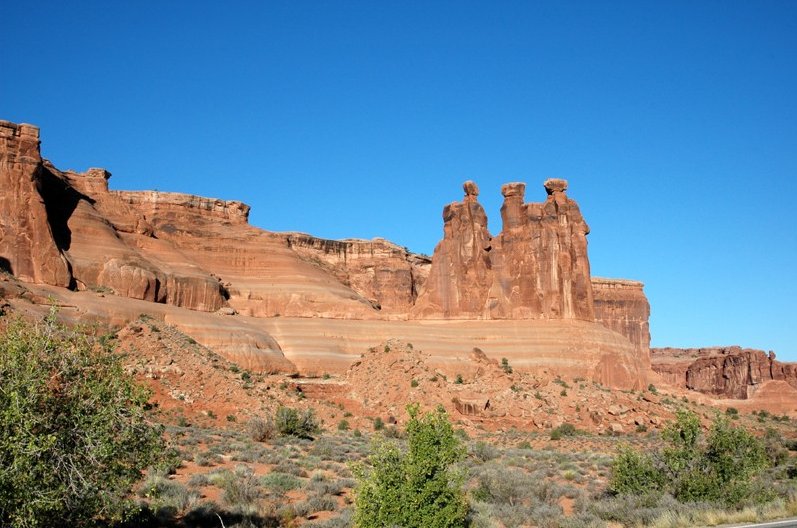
point(290, 422)
point(74, 436)
point(458, 379)
point(416, 488)
point(505, 365)
point(414, 383)
point(565, 429)
point(378, 424)
point(652, 388)
point(343, 425)
point(635, 473)
point(720, 467)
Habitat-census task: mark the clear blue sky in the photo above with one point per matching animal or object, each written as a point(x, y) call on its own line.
point(675, 123)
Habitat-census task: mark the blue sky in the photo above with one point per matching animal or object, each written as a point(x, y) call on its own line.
point(675, 123)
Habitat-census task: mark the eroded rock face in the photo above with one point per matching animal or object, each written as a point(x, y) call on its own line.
point(725, 372)
point(536, 268)
point(541, 263)
point(68, 229)
point(621, 305)
point(386, 274)
point(461, 273)
point(27, 246)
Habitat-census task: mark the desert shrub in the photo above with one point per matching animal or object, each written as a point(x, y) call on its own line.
point(280, 482)
point(416, 488)
point(74, 435)
point(484, 451)
point(378, 424)
point(635, 473)
point(290, 422)
point(165, 493)
point(506, 366)
point(719, 467)
point(502, 485)
point(563, 430)
point(343, 425)
point(241, 487)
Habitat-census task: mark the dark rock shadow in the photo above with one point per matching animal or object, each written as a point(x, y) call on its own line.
point(60, 201)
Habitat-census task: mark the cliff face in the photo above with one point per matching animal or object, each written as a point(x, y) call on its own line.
point(28, 248)
point(67, 229)
point(725, 372)
point(386, 274)
point(621, 305)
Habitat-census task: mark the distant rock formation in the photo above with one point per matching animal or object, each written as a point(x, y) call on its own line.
point(540, 258)
point(724, 372)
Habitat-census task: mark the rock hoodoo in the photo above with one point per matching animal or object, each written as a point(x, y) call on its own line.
point(536, 268)
point(461, 274)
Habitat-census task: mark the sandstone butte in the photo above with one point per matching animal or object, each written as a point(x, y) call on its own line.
point(291, 302)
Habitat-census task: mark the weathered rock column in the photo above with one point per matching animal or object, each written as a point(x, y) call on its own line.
point(27, 247)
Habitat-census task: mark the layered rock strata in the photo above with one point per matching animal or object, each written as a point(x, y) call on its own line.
point(66, 228)
point(386, 274)
point(725, 372)
point(621, 305)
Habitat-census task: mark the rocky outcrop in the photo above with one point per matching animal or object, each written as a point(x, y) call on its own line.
point(725, 372)
point(540, 258)
point(386, 274)
point(536, 268)
point(28, 248)
point(461, 274)
point(66, 228)
point(621, 305)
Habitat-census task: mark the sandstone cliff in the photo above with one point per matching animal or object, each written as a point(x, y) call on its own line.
point(725, 372)
point(622, 306)
point(27, 246)
point(67, 229)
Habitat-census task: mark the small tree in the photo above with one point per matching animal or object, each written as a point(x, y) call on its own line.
point(720, 467)
point(74, 436)
point(417, 488)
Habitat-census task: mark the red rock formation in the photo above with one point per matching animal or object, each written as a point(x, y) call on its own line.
point(68, 228)
point(725, 372)
point(540, 258)
point(621, 305)
point(537, 268)
point(461, 273)
point(27, 246)
point(386, 274)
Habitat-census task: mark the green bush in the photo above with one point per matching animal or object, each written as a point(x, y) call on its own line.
point(74, 436)
point(565, 429)
point(416, 488)
point(720, 467)
point(290, 422)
